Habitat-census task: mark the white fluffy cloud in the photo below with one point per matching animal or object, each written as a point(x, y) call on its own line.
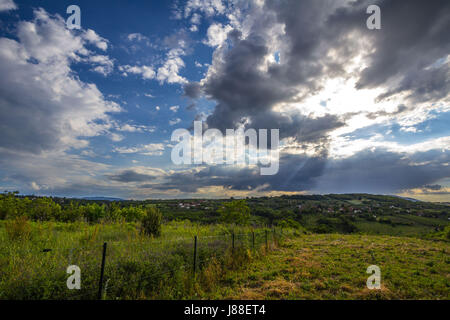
point(135, 128)
point(146, 72)
point(103, 64)
point(137, 37)
point(34, 115)
point(93, 37)
point(6, 5)
point(208, 7)
point(174, 121)
point(217, 34)
point(174, 108)
point(151, 149)
point(169, 71)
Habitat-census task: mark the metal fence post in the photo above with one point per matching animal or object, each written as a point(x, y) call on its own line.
point(195, 254)
point(102, 271)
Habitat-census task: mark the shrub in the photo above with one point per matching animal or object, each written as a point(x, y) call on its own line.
point(93, 212)
point(9, 205)
point(236, 212)
point(151, 222)
point(114, 212)
point(71, 214)
point(133, 213)
point(43, 209)
point(323, 228)
point(288, 223)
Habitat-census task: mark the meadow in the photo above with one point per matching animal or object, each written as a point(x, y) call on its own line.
point(333, 266)
point(136, 266)
point(307, 247)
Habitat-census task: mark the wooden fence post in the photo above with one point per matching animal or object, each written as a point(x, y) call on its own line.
point(267, 243)
point(195, 254)
point(253, 239)
point(232, 241)
point(102, 271)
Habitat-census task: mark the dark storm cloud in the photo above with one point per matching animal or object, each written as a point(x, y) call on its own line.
point(192, 90)
point(302, 128)
point(441, 193)
point(382, 171)
point(382, 113)
point(426, 85)
point(377, 171)
point(20, 130)
point(244, 91)
point(296, 173)
point(414, 35)
point(131, 176)
point(434, 187)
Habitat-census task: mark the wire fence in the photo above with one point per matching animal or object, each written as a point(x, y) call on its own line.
point(121, 270)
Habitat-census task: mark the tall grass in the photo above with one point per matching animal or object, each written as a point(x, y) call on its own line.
point(138, 266)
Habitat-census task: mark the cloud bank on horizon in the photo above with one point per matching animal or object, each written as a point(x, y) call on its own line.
point(90, 112)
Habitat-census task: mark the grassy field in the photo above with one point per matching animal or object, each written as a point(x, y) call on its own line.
point(319, 252)
point(333, 266)
point(137, 266)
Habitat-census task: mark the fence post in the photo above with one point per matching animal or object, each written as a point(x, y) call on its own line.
point(102, 271)
point(232, 241)
point(195, 254)
point(267, 243)
point(253, 239)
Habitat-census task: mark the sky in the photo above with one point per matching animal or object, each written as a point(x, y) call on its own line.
point(91, 111)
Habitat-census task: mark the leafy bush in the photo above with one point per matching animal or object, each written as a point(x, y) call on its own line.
point(93, 212)
point(323, 228)
point(133, 213)
point(43, 209)
point(9, 205)
point(236, 212)
point(347, 225)
point(289, 223)
point(151, 222)
point(71, 214)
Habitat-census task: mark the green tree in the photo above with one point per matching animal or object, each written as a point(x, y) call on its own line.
point(114, 212)
point(133, 213)
point(9, 205)
point(44, 209)
point(151, 222)
point(235, 211)
point(71, 213)
point(93, 212)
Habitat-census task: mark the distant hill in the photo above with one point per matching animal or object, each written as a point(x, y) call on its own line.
point(103, 198)
point(410, 199)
